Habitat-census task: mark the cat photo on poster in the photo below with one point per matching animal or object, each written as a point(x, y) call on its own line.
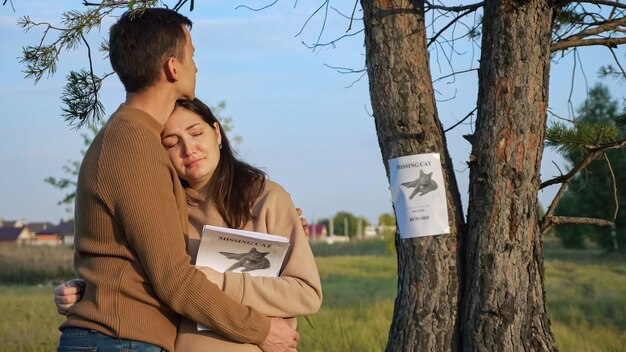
point(419, 196)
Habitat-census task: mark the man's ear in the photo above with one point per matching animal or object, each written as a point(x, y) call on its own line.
point(170, 69)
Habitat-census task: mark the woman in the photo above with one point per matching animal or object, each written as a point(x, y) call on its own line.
point(224, 191)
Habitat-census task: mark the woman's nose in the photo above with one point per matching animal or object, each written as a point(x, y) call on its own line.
point(186, 148)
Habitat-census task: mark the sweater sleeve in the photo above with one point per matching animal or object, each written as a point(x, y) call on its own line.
point(298, 290)
point(143, 202)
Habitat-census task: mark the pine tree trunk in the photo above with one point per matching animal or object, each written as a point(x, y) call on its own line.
point(406, 123)
point(503, 306)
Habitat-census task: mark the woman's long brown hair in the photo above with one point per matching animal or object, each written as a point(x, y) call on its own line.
point(235, 185)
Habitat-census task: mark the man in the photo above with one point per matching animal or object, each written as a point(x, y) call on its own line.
point(131, 214)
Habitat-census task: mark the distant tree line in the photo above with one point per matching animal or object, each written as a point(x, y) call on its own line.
point(345, 223)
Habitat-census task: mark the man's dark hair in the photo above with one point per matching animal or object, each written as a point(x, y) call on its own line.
point(141, 41)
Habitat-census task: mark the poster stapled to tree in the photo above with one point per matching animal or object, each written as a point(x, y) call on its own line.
point(419, 196)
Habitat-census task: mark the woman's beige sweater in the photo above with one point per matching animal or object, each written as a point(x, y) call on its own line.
point(130, 248)
point(296, 292)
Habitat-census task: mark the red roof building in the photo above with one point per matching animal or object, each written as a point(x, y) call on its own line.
point(62, 233)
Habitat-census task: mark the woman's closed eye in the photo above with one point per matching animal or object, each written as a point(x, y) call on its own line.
point(196, 131)
point(169, 142)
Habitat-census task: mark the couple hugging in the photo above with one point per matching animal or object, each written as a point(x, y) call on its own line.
point(160, 169)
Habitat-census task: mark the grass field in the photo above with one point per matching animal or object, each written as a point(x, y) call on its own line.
point(585, 292)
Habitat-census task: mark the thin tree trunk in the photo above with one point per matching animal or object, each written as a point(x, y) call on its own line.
point(503, 307)
point(406, 122)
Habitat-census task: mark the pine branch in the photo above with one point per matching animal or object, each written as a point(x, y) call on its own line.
point(564, 180)
point(608, 42)
point(593, 152)
point(600, 27)
point(345, 70)
point(332, 42)
point(615, 198)
point(81, 91)
point(579, 39)
point(607, 146)
point(618, 63)
point(180, 4)
point(454, 20)
point(473, 7)
point(256, 9)
point(615, 4)
point(356, 2)
point(80, 98)
point(11, 2)
point(470, 114)
point(453, 74)
point(579, 138)
point(559, 220)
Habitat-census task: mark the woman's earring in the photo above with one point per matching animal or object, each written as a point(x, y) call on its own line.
point(220, 145)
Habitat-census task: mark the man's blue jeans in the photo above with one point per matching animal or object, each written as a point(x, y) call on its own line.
point(83, 340)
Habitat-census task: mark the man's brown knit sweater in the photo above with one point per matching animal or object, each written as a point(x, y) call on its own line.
point(130, 223)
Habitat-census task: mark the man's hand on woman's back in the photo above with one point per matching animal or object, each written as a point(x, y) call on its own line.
point(68, 293)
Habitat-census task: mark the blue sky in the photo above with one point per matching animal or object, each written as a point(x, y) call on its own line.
point(297, 119)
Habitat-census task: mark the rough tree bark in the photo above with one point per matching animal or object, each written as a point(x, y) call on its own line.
point(406, 121)
point(503, 306)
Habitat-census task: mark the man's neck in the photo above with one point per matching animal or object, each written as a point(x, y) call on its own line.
point(158, 103)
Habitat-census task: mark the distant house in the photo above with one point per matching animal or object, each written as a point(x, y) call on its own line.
point(337, 239)
point(11, 223)
point(62, 233)
point(37, 227)
point(370, 231)
point(317, 232)
point(19, 235)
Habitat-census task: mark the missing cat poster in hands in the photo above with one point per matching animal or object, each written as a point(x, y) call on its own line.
point(255, 253)
point(231, 250)
point(419, 196)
